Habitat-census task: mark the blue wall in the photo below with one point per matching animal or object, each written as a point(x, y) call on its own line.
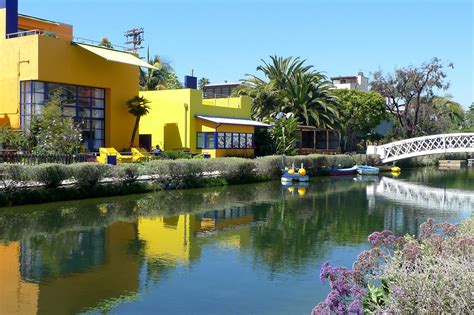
point(12, 14)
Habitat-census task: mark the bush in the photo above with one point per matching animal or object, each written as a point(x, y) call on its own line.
point(13, 175)
point(407, 275)
point(127, 173)
point(233, 170)
point(51, 175)
point(89, 174)
point(175, 155)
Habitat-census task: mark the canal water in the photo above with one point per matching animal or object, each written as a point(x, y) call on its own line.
point(251, 249)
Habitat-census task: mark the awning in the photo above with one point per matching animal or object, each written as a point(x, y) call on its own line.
point(232, 121)
point(116, 56)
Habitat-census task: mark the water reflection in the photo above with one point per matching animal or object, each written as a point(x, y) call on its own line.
point(102, 255)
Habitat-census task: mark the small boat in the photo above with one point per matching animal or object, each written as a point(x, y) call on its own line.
point(343, 171)
point(294, 175)
point(367, 170)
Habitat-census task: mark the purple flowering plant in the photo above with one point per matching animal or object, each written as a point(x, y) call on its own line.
point(391, 277)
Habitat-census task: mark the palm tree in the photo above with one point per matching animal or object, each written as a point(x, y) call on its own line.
point(294, 87)
point(138, 107)
point(309, 98)
point(203, 82)
point(155, 79)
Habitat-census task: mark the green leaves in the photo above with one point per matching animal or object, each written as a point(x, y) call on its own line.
point(291, 86)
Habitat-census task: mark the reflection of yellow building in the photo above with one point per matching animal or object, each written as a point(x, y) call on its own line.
point(39, 57)
point(116, 277)
point(169, 238)
point(16, 295)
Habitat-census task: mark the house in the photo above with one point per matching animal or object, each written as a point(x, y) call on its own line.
point(39, 57)
point(183, 120)
point(359, 82)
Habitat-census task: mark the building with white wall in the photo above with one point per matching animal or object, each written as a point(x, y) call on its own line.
point(359, 82)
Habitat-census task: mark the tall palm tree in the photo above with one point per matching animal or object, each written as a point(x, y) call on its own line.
point(291, 86)
point(138, 107)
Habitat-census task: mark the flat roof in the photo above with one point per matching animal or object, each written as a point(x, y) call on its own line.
point(39, 19)
point(223, 84)
point(344, 77)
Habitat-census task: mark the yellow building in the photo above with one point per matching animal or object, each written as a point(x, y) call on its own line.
point(39, 57)
point(184, 120)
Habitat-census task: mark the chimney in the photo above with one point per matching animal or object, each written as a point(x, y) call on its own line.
point(11, 15)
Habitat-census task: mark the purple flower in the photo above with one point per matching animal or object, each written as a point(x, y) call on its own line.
point(321, 309)
point(450, 229)
point(356, 307)
point(381, 238)
point(411, 251)
point(324, 272)
point(427, 228)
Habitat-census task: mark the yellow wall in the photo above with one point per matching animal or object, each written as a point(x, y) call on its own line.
point(174, 128)
point(16, 295)
point(59, 61)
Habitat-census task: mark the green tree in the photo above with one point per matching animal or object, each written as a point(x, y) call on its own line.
point(203, 82)
point(449, 114)
point(54, 132)
point(162, 77)
point(360, 112)
point(172, 82)
point(105, 42)
point(291, 86)
point(409, 92)
point(469, 118)
point(138, 107)
point(284, 133)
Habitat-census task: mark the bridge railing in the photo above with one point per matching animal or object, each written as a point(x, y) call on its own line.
point(434, 144)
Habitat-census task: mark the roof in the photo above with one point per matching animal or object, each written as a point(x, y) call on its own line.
point(116, 56)
point(223, 84)
point(344, 77)
point(232, 121)
point(38, 19)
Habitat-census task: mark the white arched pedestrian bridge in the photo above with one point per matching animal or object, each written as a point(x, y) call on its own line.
point(436, 144)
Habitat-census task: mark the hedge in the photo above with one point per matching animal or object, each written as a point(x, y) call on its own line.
point(165, 174)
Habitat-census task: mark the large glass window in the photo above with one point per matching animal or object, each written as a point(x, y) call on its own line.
point(86, 105)
point(224, 140)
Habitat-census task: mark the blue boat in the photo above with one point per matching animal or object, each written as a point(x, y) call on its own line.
point(343, 171)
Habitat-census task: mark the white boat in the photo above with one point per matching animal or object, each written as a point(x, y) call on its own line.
point(367, 170)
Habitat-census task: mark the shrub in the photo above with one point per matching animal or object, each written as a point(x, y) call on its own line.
point(407, 275)
point(233, 170)
point(269, 167)
point(51, 175)
point(12, 176)
point(89, 174)
point(127, 173)
point(175, 155)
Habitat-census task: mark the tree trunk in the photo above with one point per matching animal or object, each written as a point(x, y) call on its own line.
point(134, 132)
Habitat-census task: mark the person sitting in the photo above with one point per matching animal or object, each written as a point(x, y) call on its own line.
point(157, 150)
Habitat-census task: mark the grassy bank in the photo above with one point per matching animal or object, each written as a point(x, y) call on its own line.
point(23, 184)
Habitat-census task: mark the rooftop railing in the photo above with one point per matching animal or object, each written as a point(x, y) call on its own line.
point(25, 33)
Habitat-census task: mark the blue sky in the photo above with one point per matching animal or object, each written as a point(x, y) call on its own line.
point(224, 40)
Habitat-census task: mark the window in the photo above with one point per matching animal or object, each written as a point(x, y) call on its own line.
point(200, 140)
point(86, 105)
point(243, 142)
point(235, 140)
point(210, 143)
point(224, 140)
point(221, 140)
point(249, 141)
point(228, 140)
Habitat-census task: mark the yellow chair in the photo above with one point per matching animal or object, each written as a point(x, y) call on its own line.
point(140, 155)
point(104, 152)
